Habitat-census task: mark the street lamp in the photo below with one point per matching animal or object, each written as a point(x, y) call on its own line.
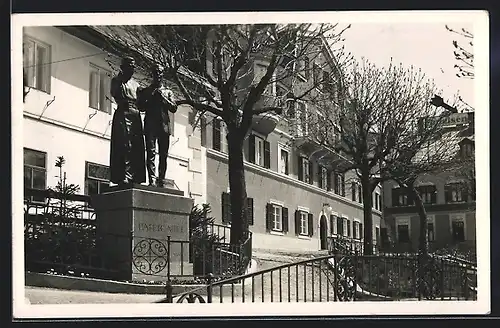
point(439, 102)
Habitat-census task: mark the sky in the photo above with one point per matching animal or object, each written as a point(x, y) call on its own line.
point(425, 45)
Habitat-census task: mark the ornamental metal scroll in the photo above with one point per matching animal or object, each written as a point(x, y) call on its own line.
point(191, 298)
point(150, 256)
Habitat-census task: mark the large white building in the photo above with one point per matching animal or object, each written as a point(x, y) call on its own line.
point(68, 112)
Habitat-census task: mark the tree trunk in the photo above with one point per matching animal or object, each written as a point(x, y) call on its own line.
point(422, 240)
point(237, 187)
point(423, 247)
point(368, 216)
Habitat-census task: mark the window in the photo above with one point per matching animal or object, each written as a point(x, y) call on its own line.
point(458, 229)
point(339, 183)
point(216, 134)
point(99, 89)
point(400, 197)
point(348, 228)
point(456, 192)
point(276, 217)
point(354, 188)
point(284, 158)
point(259, 151)
point(35, 171)
point(277, 222)
point(356, 230)
point(466, 149)
point(332, 224)
point(346, 225)
point(428, 194)
point(340, 226)
point(303, 66)
point(303, 222)
point(96, 177)
point(403, 230)
point(360, 194)
point(317, 75)
point(36, 63)
point(305, 170)
point(431, 231)
point(323, 177)
point(377, 236)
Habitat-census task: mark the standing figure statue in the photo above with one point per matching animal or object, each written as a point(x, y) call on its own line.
point(157, 101)
point(127, 139)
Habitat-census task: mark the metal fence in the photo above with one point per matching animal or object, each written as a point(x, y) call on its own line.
point(62, 236)
point(338, 277)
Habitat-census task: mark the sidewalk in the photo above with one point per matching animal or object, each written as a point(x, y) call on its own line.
point(37, 295)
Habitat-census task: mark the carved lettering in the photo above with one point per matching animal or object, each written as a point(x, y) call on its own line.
point(152, 227)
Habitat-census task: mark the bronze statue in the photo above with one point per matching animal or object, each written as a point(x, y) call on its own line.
point(157, 101)
point(127, 140)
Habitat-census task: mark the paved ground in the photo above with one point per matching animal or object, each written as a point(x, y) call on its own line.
point(37, 295)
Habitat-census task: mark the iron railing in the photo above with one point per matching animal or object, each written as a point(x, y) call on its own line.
point(63, 237)
point(341, 278)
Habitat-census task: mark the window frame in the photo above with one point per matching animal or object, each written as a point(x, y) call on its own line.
point(458, 218)
point(107, 97)
point(402, 221)
point(99, 180)
point(47, 80)
point(431, 219)
point(278, 207)
point(304, 217)
point(282, 147)
point(31, 167)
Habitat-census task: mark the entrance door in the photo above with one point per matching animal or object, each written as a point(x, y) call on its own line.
point(323, 230)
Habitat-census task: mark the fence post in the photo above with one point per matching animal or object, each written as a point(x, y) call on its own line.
point(169, 292)
point(168, 258)
point(209, 287)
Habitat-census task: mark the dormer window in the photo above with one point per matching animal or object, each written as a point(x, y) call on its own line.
point(466, 148)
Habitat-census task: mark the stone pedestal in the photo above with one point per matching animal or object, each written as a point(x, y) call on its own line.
point(143, 232)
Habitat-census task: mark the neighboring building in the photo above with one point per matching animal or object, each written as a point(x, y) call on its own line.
point(295, 203)
point(449, 200)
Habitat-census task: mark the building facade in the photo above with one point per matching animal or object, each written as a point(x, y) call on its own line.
point(68, 112)
point(295, 202)
point(449, 200)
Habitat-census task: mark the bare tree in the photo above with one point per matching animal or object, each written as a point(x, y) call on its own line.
point(212, 68)
point(379, 105)
point(464, 52)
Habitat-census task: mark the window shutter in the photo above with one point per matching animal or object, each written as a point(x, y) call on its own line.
point(287, 169)
point(340, 229)
point(348, 228)
point(269, 217)
point(395, 196)
point(297, 222)
point(216, 138)
point(267, 155)
point(361, 233)
point(329, 180)
point(465, 192)
point(310, 224)
point(226, 207)
point(447, 193)
point(284, 216)
point(301, 170)
point(332, 222)
point(320, 177)
point(310, 177)
point(433, 195)
point(250, 210)
point(343, 185)
point(251, 148)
